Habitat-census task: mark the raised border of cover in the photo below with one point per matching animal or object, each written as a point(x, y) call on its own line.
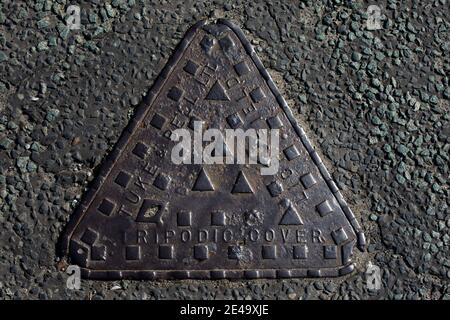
point(138, 117)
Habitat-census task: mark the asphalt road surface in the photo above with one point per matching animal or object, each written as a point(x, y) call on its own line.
point(375, 103)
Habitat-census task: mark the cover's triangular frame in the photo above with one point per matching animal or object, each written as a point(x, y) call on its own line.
point(139, 115)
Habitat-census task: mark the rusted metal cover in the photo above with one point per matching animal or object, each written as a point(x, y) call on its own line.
point(148, 218)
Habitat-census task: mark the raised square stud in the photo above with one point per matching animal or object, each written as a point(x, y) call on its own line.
point(257, 95)
point(201, 252)
point(193, 120)
point(330, 252)
point(275, 188)
point(269, 252)
point(175, 94)
point(241, 68)
point(98, 253)
point(339, 236)
point(300, 251)
point(324, 208)
point(184, 218)
point(162, 181)
point(291, 152)
point(207, 43)
point(106, 207)
point(133, 253)
point(123, 179)
point(191, 67)
point(275, 122)
point(234, 120)
point(89, 236)
point(235, 252)
point(226, 43)
point(308, 180)
point(218, 218)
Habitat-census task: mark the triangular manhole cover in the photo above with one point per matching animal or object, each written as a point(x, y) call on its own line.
point(146, 217)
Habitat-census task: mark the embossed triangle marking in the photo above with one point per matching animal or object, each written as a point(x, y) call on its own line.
point(146, 217)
